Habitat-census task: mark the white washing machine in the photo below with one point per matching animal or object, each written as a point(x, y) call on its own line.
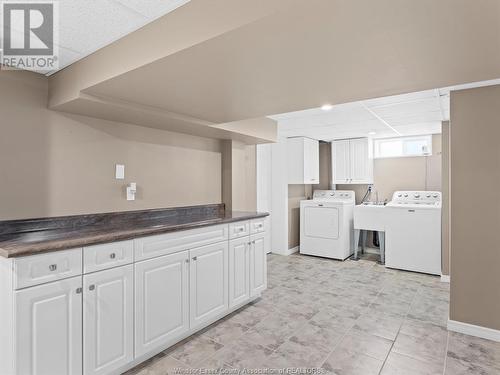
point(413, 231)
point(326, 224)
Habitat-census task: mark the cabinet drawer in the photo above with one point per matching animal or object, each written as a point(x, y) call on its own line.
point(239, 229)
point(258, 225)
point(101, 257)
point(39, 269)
point(154, 246)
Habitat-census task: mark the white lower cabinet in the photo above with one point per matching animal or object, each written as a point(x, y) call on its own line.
point(48, 328)
point(161, 301)
point(239, 271)
point(258, 264)
point(108, 320)
point(208, 283)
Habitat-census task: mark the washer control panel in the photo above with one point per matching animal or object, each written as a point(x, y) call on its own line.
point(417, 197)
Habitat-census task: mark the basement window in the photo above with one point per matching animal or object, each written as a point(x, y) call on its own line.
point(403, 146)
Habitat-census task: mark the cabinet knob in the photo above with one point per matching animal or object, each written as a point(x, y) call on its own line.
point(79, 290)
point(187, 260)
point(92, 287)
point(112, 255)
point(195, 258)
point(53, 267)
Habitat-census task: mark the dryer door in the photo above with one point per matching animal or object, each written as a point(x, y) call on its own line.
point(321, 221)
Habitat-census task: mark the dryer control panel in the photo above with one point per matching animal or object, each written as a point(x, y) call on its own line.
point(334, 195)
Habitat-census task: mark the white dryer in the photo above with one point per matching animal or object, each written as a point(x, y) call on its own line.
point(413, 231)
point(326, 224)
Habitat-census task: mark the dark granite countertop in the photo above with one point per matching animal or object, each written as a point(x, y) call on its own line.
point(34, 236)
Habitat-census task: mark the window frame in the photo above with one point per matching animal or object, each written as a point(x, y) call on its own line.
point(404, 139)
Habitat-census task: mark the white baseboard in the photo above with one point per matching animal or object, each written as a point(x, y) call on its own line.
point(445, 278)
point(472, 330)
point(287, 252)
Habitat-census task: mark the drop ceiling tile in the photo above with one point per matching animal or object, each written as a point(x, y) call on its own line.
point(338, 115)
point(402, 109)
point(420, 129)
point(86, 26)
point(153, 9)
point(417, 118)
point(67, 57)
point(395, 99)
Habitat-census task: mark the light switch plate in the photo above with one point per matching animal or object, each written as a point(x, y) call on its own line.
point(120, 172)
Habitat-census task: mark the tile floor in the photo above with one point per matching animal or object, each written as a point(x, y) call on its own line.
point(341, 317)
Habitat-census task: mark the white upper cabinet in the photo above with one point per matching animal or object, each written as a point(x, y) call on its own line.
point(108, 320)
point(340, 162)
point(352, 161)
point(49, 328)
point(361, 161)
point(303, 160)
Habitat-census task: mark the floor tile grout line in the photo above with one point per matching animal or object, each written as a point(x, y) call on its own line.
point(387, 282)
point(350, 328)
point(446, 352)
point(399, 330)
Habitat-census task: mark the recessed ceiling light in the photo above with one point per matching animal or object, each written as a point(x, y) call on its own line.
point(326, 107)
point(372, 133)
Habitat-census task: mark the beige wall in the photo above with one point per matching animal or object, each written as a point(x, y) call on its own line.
point(475, 213)
point(239, 176)
point(57, 164)
point(445, 220)
point(296, 193)
point(244, 177)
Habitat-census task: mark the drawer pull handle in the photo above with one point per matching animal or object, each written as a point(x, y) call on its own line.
point(112, 255)
point(78, 290)
point(240, 229)
point(53, 267)
point(92, 287)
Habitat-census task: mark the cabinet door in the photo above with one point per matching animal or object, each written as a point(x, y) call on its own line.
point(161, 301)
point(311, 161)
point(258, 264)
point(340, 162)
point(108, 323)
point(239, 271)
point(48, 328)
point(360, 161)
point(208, 283)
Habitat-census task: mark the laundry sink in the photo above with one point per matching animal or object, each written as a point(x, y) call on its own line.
point(370, 216)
